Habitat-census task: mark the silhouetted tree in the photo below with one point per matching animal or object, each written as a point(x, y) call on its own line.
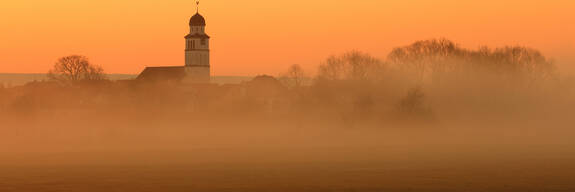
point(354, 65)
point(75, 68)
point(413, 104)
point(516, 61)
point(424, 58)
point(294, 77)
point(439, 56)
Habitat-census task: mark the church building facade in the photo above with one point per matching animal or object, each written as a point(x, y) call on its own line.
point(198, 50)
point(196, 69)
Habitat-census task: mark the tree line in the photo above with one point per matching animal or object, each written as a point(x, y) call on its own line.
point(427, 60)
point(417, 81)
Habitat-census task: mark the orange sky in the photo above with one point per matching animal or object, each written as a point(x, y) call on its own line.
point(251, 37)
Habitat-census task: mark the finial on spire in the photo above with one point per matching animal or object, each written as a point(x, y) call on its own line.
point(197, 6)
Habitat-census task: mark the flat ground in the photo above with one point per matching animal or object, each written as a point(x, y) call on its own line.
point(273, 158)
point(265, 170)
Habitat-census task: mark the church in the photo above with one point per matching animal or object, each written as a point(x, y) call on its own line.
point(196, 69)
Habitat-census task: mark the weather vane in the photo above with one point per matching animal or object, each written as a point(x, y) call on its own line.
point(197, 6)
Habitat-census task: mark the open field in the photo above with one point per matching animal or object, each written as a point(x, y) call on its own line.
point(256, 156)
point(190, 171)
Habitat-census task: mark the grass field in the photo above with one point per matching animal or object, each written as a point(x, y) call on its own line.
point(188, 171)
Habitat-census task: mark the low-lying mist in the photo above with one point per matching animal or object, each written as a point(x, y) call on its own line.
point(430, 103)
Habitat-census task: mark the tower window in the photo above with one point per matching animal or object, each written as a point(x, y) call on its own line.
point(193, 44)
point(203, 42)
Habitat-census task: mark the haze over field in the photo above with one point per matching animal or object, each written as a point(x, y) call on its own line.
point(431, 116)
point(18, 79)
point(311, 96)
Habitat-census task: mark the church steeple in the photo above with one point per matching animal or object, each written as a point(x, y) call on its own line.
point(197, 20)
point(198, 47)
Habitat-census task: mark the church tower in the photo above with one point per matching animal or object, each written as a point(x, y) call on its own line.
point(197, 50)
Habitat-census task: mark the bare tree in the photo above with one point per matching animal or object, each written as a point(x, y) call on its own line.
point(414, 105)
point(439, 56)
point(425, 58)
point(75, 68)
point(354, 65)
point(294, 77)
point(523, 62)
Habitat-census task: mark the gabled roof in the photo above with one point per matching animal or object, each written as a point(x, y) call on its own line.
point(175, 73)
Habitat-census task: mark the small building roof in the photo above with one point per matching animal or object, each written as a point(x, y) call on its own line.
point(171, 73)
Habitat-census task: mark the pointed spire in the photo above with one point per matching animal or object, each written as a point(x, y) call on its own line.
point(197, 6)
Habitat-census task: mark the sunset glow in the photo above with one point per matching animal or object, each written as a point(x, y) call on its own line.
point(265, 37)
point(284, 95)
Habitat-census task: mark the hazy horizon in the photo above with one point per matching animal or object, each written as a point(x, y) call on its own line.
point(287, 96)
point(18, 79)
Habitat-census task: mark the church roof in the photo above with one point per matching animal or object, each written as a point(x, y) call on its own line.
point(175, 73)
point(197, 20)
